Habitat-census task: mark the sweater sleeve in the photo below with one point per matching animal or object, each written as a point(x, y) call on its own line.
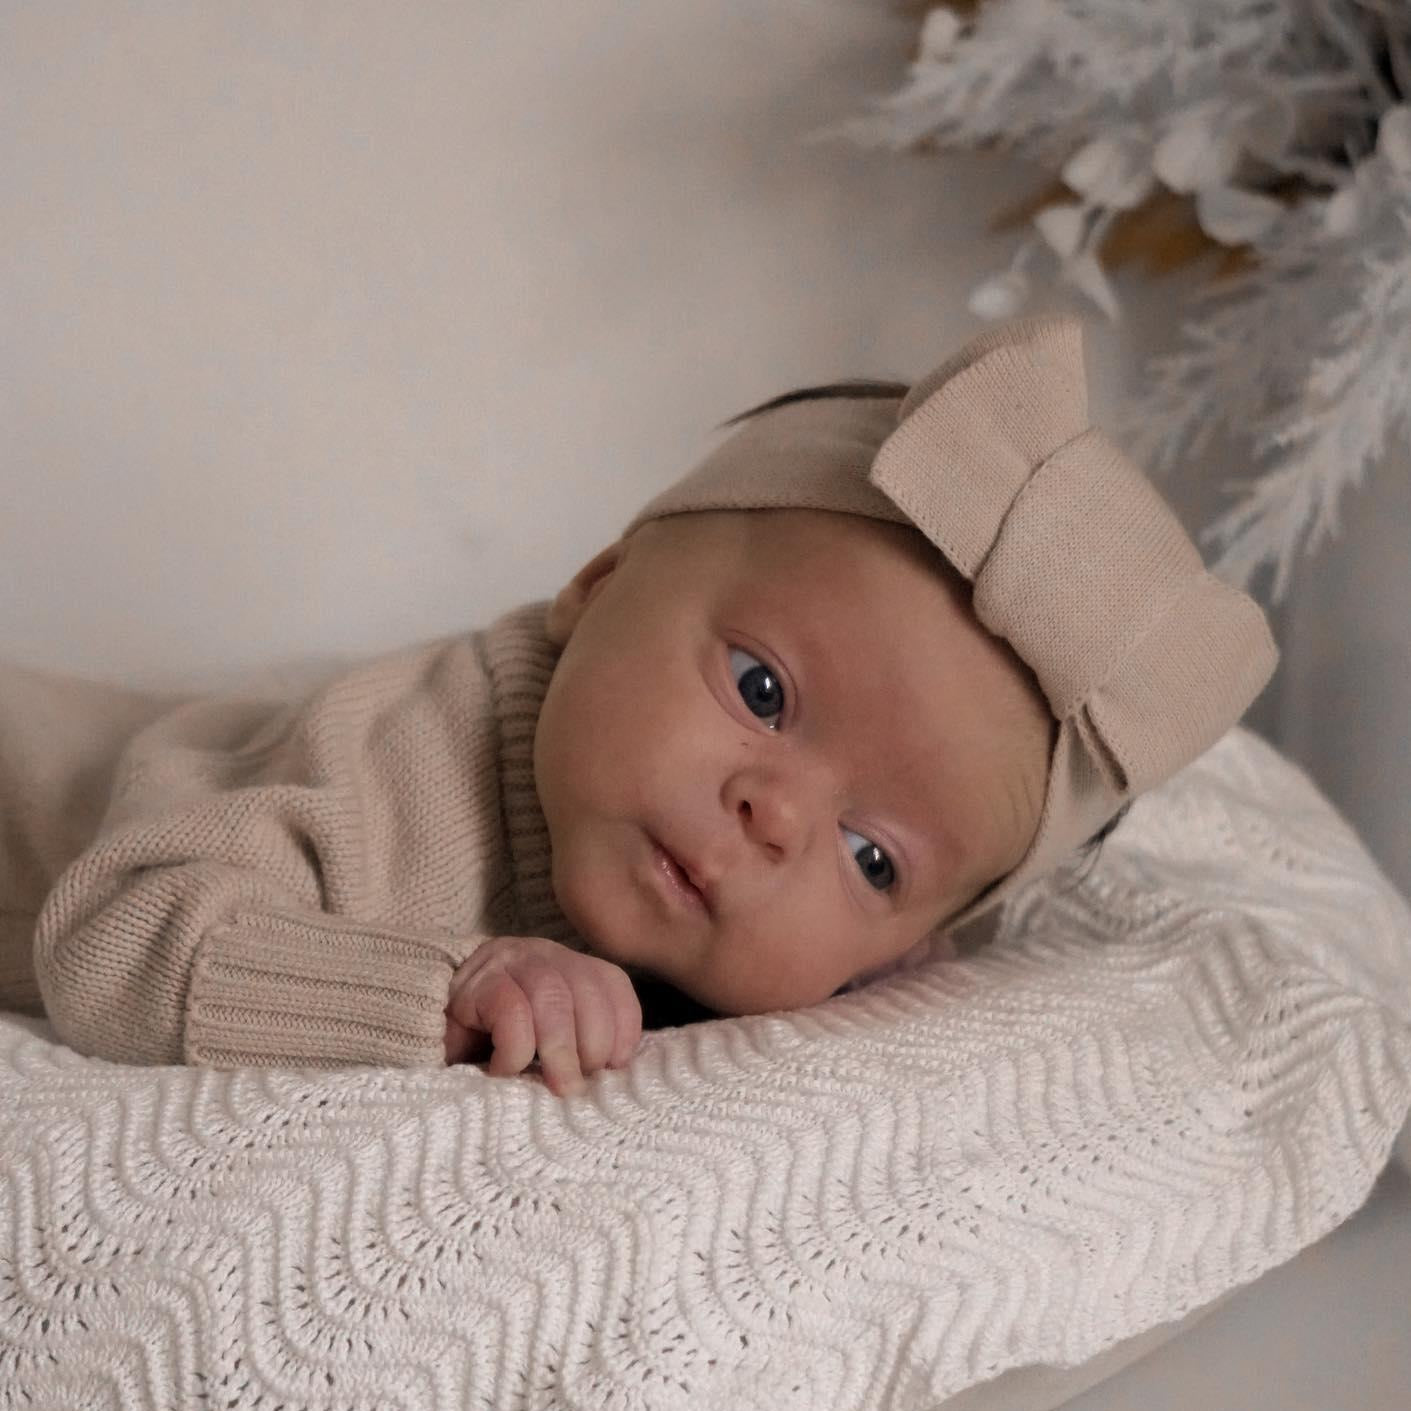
point(285, 886)
point(199, 963)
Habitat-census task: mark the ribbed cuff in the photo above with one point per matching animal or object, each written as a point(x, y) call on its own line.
point(300, 990)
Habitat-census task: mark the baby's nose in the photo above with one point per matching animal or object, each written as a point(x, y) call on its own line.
point(780, 814)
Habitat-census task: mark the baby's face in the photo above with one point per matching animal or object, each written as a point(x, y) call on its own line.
point(800, 708)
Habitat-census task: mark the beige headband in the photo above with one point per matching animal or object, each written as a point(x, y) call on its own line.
point(1075, 559)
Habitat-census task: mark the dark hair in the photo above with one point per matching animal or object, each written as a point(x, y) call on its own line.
point(858, 387)
point(875, 387)
point(1093, 847)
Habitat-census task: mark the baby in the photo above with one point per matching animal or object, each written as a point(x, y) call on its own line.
point(884, 656)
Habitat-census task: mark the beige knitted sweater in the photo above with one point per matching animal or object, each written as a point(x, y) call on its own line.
point(229, 882)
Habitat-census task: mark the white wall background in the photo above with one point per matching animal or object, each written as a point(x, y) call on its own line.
point(336, 325)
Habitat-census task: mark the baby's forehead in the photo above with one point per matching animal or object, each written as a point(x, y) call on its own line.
point(834, 561)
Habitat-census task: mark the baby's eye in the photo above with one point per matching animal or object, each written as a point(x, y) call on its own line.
point(876, 865)
point(759, 686)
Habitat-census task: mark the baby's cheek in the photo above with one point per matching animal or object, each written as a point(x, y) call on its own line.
point(786, 963)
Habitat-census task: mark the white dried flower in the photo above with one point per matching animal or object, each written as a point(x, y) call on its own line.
point(1085, 273)
point(1394, 139)
point(999, 297)
point(1198, 150)
point(939, 33)
point(1266, 125)
point(1063, 228)
point(1375, 179)
point(1343, 212)
point(1111, 171)
point(1233, 216)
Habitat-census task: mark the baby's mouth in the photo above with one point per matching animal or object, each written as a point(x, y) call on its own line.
point(677, 879)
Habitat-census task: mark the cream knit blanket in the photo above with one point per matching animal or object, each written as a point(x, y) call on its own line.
point(1158, 1083)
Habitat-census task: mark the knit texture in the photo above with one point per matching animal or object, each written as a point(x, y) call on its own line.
point(235, 882)
point(1162, 1079)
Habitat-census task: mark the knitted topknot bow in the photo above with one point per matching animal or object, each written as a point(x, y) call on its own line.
point(1145, 658)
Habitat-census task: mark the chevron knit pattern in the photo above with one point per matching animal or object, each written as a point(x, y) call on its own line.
point(1163, 1079)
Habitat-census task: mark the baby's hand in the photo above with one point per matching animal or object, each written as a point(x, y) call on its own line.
point(522, 993)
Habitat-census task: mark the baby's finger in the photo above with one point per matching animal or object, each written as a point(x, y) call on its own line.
point(596, 1022)
point(500, 1008)
point(459, 1040)
point(555, 1029)
point(628, 1010)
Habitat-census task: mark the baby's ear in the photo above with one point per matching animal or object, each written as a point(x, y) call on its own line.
point(568, 607)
